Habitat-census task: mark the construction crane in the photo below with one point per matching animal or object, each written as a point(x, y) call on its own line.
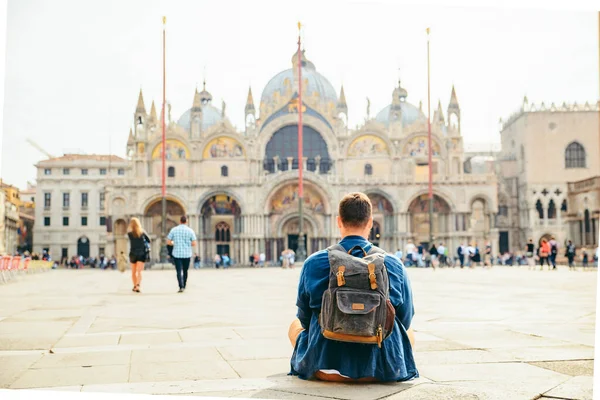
point(39, 148)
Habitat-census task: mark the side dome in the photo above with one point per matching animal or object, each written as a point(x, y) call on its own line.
point(284, 81)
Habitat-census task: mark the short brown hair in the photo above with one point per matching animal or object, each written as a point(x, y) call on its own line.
point(355, 210)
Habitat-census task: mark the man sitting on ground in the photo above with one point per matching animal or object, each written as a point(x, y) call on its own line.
point(340, 357)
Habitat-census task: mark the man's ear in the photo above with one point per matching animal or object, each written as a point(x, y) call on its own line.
point(370, 223)
point(339, 222)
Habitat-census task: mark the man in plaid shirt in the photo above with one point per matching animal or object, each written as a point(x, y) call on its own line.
point(182, 238)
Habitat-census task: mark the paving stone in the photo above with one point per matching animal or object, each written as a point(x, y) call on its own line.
point(261, 368)
point(202, 335)
point(88, 341)
point(169, 371)
point(572, 368)
point(200, 355)
point(549, 353)
point(257, 350)
point(151, 338)
point(83, 359)
point(577, 388)
point(71, 376)
point(514, 372)
point(457, 357)
point(11, 367)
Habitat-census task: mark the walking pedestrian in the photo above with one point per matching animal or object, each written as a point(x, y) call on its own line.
point(441, 251)
point(261, 259)
point(433, 256)
point(226, 260)
point(460, 252)
point(196, 261)
point(138, 244)
point(183, 239)
point(217, 261)
point(553, 251)
point(570, 254)
point(529, 250)
point(487, 260)
point(584, 258)
point(544, 252)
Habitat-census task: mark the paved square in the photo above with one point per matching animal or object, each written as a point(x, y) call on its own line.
point(505, 333)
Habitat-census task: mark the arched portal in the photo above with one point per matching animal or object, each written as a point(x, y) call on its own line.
point(419, 217)
point(220, 226)
point(282, 209)
point(83, 247)
point(152, 222)
point(290, 232)
point(153, 216)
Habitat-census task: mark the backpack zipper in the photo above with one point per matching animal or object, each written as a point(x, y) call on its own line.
point(379, 336)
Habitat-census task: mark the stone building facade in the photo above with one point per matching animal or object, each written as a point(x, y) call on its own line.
point(583, 221)
point(240, 188)
point(543, 150)
point(70, 195)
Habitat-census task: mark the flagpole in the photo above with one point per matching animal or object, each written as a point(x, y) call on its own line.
point(163, 247)
point(301, 251)
point(429, 148)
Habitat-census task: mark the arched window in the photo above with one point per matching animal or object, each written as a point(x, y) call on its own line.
point(563, 207)
point(224, 170)
point(222, 232)
point(171, 172)
point(284, 144)
point(368, 169)
point(551, 210)
point(540, 209)
point(575, 156)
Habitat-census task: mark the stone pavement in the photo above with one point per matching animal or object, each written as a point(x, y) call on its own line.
point(505, 333)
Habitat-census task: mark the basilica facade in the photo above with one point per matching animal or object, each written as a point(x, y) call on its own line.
point(239, 189)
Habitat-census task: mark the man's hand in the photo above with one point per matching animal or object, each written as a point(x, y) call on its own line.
point(169, 242)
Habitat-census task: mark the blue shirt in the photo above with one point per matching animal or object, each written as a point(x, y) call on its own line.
point(182, 237)
point(313, 352)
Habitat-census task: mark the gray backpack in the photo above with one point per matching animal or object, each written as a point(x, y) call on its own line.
point(356, 308)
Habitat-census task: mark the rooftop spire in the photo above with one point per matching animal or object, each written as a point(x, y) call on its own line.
point(141, 108)
point(342, 106)
point(440, 113)
point(130, 139)
point(342, 100)
point(453, 99)
point(153, 112)
point(250, 103)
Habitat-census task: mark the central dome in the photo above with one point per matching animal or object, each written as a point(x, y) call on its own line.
point(211, 115)
point(286, 80)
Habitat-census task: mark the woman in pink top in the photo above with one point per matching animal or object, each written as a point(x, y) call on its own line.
point(544, 253)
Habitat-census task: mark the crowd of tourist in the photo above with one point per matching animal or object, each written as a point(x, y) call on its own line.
point(547, 252)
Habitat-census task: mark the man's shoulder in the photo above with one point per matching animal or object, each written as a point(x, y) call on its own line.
point(320, 257)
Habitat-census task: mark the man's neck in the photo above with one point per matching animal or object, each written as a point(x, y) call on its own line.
point(359, 234)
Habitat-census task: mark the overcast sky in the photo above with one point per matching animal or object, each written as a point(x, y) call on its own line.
point(74, 68)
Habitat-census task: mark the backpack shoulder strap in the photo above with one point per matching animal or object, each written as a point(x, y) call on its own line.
point(337, 247)
point(374, 250)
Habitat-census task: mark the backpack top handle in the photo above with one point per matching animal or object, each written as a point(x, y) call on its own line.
point(357, 246)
